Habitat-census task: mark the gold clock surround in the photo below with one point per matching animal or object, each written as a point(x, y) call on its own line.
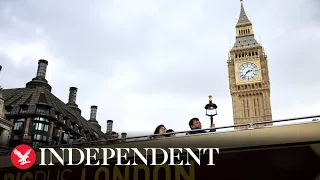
point(239, 81)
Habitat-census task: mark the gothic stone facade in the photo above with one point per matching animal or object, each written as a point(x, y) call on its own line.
point(40, 118)
point(248, 76)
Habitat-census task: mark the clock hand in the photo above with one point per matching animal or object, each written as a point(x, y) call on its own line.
point(248, 72)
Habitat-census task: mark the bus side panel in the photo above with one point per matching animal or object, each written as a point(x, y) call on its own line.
point(281, 163)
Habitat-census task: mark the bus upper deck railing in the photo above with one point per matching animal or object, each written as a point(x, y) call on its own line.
point(149, 137)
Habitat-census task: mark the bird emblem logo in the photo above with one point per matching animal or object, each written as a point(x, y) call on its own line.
point(23, 156)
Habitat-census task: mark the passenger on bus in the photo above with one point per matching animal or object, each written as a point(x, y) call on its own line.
point(195, 123)
point(114, 135)
point(161, 129)
point(170, 135)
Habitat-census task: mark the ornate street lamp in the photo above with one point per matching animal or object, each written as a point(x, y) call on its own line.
point(211, 109)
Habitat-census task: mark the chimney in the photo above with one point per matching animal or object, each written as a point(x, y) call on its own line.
point(109, 126)
point(72, 95)
point(40, 79)
point(42, 68)
point(123, 135)
point(93, 112)
point(72, 99)
point(93, 116)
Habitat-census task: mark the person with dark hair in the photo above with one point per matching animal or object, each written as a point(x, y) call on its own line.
point(195, 124)
point(161, 129)
point(170, 131)
point(114, 135)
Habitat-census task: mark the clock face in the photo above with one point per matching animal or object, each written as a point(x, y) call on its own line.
point(248, 71)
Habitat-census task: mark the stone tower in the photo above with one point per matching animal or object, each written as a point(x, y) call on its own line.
point(248, 76)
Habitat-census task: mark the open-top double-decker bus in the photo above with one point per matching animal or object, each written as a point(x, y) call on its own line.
point(276, 152)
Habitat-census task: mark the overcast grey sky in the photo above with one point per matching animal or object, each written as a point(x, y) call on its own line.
point(151, 62)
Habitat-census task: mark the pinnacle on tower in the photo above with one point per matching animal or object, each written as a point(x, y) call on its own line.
point(244, 33)
point(243, 18)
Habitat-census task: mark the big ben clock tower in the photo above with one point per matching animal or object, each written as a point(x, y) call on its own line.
point(248, 76)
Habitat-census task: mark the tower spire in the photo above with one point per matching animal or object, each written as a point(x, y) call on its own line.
point(243, 18)
point(244, 32)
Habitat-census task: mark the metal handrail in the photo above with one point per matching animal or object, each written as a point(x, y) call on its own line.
point(149, 137)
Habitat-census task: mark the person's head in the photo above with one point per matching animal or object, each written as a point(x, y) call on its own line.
point(170, 131)
point(160, 129)
point(195, 123)
point(114, 135)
